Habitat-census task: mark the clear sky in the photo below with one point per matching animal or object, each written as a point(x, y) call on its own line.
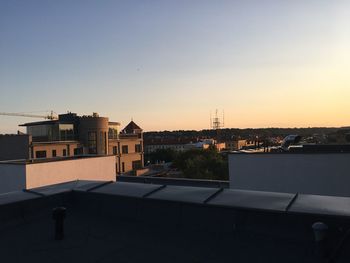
point(168, 64)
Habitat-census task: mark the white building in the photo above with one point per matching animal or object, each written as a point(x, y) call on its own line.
point(304, 173)
point(21, 174)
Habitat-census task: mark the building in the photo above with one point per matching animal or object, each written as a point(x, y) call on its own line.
point(177, 145)
point(317, 172)
point(207, 143)
point(181, 145)
point(27, 174)
point(128, 148)
point(235, 145)
point(73, 135)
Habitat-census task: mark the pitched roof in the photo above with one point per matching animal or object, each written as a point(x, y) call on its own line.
point(131, 127)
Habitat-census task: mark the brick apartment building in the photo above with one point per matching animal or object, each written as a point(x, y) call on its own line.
point(73, 135)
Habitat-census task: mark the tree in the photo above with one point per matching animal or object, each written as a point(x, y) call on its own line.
point(203, 164)
point(161, 155)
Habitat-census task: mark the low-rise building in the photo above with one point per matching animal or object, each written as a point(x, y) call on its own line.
point(236, 145)
point(72, 135)
point(181, 145)
point(178, 145)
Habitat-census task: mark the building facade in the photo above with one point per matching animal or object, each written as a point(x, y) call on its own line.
point(236, 145)
point(173, 145)
point(181, 145)
point(73, 135)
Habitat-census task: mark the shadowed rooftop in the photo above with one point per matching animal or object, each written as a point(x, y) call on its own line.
point(134, 222)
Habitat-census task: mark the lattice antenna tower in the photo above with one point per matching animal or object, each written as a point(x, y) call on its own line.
point(215, 122)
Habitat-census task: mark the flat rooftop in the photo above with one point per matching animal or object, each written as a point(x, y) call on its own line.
point(134, 222)
point(54, 159)
point(299, 149)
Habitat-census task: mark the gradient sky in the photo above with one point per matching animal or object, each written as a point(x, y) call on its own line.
point(168, 64)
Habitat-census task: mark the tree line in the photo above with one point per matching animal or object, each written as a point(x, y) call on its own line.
point(234, 133)
point(194, 163)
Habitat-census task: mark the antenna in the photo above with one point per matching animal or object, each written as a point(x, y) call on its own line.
point(215, 122)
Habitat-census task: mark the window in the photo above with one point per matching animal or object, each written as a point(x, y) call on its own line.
point(92, 137)
point(64, 152)
point(41, 132)
point(78, 151)
point(138, 148)
point(66, 132)
point(102, 141)
point(136, 165)
point(125, 149)
point(54, 153)
point(115, 152)
point(40, 154)
point(113, 131)
point(52, 132)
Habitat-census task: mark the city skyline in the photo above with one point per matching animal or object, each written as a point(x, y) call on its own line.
point(168, 64)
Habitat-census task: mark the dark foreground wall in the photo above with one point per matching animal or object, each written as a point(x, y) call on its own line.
point(126, 222)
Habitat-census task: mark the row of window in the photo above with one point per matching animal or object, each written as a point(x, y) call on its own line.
point(92, 145)
point(65, 152)
point(166, 146)
point(152, 148)
point(125, 149)
point(56, 132)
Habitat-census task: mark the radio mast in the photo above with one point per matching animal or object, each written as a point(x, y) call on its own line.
point(216, 123)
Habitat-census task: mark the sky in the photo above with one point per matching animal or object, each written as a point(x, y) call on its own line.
point(168, 65)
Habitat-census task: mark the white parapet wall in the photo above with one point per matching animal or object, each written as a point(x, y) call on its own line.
point(20, 175)
point(92, 168)
point(319, 173)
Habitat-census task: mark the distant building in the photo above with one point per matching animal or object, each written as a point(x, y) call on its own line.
point(73, 135)
point(236, 145)
point(207, 143)
point(180, 145)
